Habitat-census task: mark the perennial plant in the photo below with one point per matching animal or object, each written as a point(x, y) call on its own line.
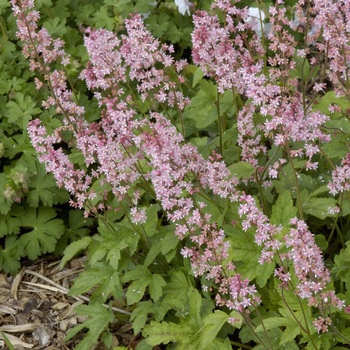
point(208, 175)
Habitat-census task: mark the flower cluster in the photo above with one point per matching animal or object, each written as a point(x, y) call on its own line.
point(235, 61)
point(333, 18)
point(341, 177)
point(173, 167)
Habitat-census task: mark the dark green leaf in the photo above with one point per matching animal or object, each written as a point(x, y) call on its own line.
point(44, 232)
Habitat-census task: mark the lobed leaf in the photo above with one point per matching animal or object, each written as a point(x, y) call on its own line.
point(44, 231)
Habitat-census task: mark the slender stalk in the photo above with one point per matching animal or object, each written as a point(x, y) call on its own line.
point(251, 327)
point(220, 122)
point(296, 183)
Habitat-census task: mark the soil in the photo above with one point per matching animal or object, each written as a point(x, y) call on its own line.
point(36, 312)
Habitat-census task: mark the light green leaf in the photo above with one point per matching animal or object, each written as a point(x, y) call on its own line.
point(21, 110)
point(143, 278)
point(242, 170)
point(102, 278)
point(136, 291)
point(155, 286)
point(166, 332)
point(98, 321)
point(87, 280)
point(56, 26)
point(245, 250)
point(158, 24)
point(291, 327)
point(198, 75)
point(140, 314)
point(318, 207)
point(75, 248)
point(212, 325)
point(176, 290)
point(103, 18)
point(283, 210)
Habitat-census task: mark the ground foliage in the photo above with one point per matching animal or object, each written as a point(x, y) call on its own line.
point(209, 196)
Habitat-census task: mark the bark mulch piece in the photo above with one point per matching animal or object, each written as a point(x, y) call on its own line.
point(36, 312)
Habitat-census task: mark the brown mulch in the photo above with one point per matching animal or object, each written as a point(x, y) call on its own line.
point(36, 312)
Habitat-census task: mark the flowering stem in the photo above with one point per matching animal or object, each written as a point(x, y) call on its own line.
point(220, 121)
point(307, 329)
point(296, 183)
point(327, 158)
point(263, 326)
point(261, 179)
point(251, 326)
point(339, 334)
point(292, 313)
point(340, 234)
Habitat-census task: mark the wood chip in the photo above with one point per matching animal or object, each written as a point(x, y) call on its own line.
point(17, 342)
point(21, 328)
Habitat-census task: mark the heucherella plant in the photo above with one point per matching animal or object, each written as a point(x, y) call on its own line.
point(208, 249)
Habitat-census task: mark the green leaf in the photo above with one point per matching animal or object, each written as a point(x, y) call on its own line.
point(185, 333)
point(56, 26)
point(246, 251)
point(98, 321)
point(158, 24)
point(103, 18)
point(143, 278)
point(21, 110)
point(11, 222)
point(20, 145)
point(10, 254)
point(140, 314)
point(198, 75)
point(176, 290)
point(109, 245)
point(75, 248)
point(283, 210)
point(321, 241)
point(167, 332)
point(5, 204)
point(44, 232)
point(87, 280)
point(173, 33)
point(78, 227)
point(3, 5)
point(318, 207)
point(330, 98)
point(7, 341)
point(242, 170)
point(203, 108)
point(341, 267)
point(155, 286)
point(164, 243)
point(102, 278)
point(212, 325)
point(151, 224)
point(291, 327)
point(142, 6)
point(43, 189)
